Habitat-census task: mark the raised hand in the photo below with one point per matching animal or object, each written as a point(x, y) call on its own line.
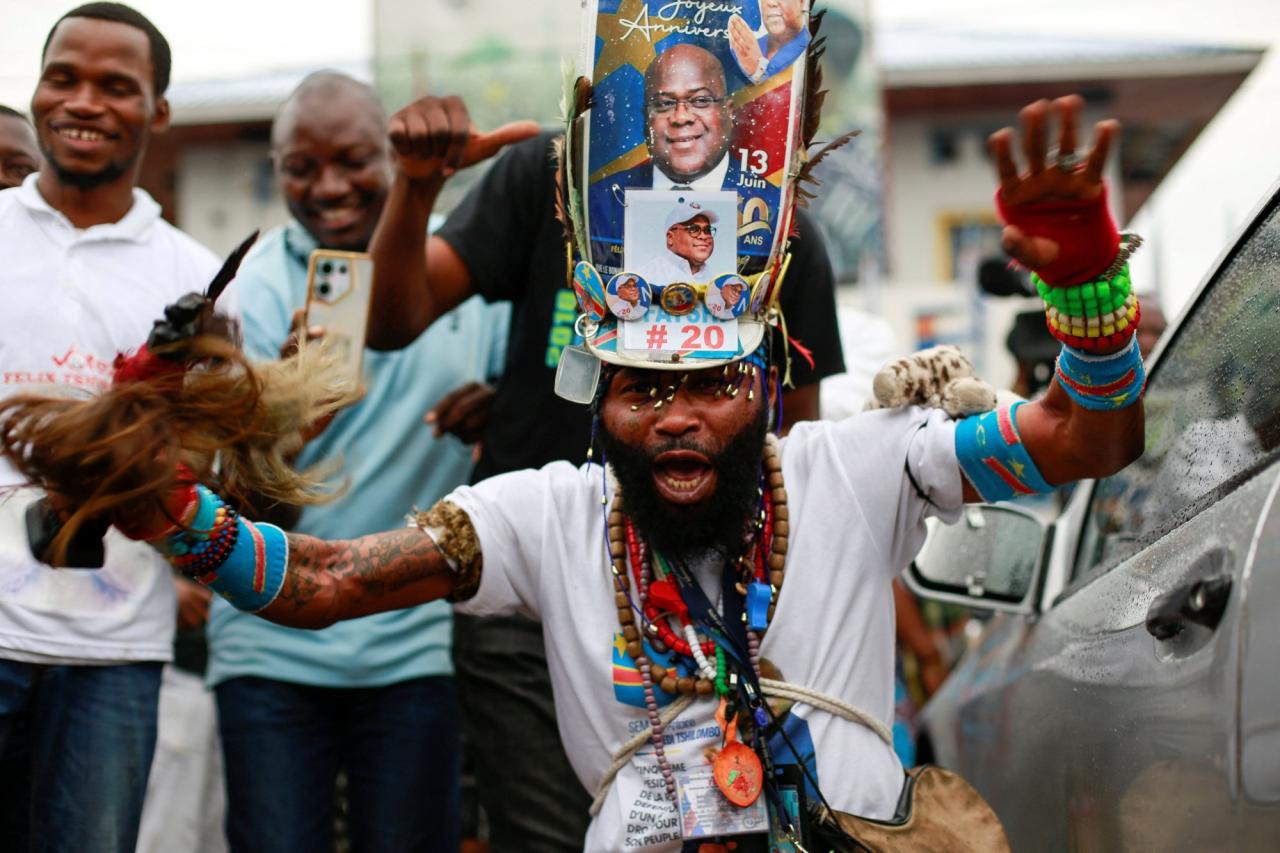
point(746, 50)
point(1064, 177)
point(434, 138)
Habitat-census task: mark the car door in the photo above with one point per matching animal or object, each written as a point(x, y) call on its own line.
point(1111, 720)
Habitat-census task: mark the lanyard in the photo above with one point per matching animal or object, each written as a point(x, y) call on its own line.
point(731, 635)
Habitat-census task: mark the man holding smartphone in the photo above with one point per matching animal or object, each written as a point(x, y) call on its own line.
point(374, 697)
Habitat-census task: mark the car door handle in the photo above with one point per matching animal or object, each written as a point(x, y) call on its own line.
point(1202, 602)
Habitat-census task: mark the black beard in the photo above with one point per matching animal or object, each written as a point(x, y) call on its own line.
point(720, 522)
point(87, 180)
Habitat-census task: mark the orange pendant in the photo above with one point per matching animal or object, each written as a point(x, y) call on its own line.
point(738, 773)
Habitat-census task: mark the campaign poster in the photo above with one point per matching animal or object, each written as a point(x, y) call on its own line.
point(693, 96)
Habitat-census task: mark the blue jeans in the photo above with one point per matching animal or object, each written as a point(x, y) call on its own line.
point(75, 750)
point(284, 744)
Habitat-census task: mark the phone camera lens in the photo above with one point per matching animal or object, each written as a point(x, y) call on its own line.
point(342, 270)
point(324, 289)
point(326, 267)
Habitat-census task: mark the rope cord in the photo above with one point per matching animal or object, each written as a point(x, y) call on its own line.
point(773, 689)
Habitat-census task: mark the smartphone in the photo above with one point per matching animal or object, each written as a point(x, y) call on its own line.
point(339, 285)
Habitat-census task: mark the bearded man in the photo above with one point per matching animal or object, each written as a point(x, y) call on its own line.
point(728, 549)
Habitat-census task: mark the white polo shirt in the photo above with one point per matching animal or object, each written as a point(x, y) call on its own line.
point(74, 298)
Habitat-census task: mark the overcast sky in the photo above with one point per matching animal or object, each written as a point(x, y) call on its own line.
point(235, 37)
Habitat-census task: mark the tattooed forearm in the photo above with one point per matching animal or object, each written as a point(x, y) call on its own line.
point(331, 581)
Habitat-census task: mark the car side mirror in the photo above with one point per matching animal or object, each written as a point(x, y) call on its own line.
point(989, 559)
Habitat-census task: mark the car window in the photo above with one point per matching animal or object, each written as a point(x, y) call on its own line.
point(1212, 410)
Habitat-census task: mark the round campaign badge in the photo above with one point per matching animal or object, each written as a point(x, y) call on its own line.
point(628, 296)
point(679, 299)
point(727, 296)
point(738, 773)
point(588, 286)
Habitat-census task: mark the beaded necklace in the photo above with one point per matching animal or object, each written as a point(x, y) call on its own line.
point(659, 599)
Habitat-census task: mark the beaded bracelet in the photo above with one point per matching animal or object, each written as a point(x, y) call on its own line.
point(1091, 342)
point(1095, 315)
point(1090, 298)
point(1102, 382)
point(1094, 326)
point(244, 562)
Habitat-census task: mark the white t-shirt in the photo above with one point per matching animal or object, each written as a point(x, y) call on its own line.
point(856, 522)
point(73, 299)
point(669, 268)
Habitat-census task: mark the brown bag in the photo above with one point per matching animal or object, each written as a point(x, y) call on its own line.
point(938, 812)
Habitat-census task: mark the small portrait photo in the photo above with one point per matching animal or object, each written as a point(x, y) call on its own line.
point(727, 296)
point(628, 296)
point(781, 38)
point(681, 236)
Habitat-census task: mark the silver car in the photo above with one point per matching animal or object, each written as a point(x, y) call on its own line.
point(1126, 696)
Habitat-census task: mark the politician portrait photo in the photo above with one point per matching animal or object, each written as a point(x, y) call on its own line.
point(683, 118)
point(727, 296)
point(677, 237)
point(781, 39)
point(627, 296)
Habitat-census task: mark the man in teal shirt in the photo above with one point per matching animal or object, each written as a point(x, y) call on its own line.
point(373, 697)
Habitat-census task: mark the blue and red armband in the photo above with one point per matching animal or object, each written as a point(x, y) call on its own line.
point(993, 457)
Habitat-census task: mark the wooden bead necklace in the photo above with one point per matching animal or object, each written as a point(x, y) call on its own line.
point(625, 545)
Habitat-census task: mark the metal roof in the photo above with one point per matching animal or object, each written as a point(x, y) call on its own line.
point(908, 55)
point(923, 55)
point(249, 98)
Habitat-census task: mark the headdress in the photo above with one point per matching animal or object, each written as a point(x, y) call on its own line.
point(683, 153)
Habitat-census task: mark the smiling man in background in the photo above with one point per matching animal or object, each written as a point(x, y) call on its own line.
point(374, 697)
point(88, 265)
point(19, 153)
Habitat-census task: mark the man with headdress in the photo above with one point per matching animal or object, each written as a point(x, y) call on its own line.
point(501, 668)
point(709, 575)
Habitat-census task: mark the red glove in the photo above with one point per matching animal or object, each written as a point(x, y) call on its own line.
point(1087, 237)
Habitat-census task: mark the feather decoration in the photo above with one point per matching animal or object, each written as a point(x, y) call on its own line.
point(575, 100)
point(582, 103)
point(568, 106)
point(229, 268)
point(806, 176)
point(814, 94)
point(562, 190)
point(814, 97)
